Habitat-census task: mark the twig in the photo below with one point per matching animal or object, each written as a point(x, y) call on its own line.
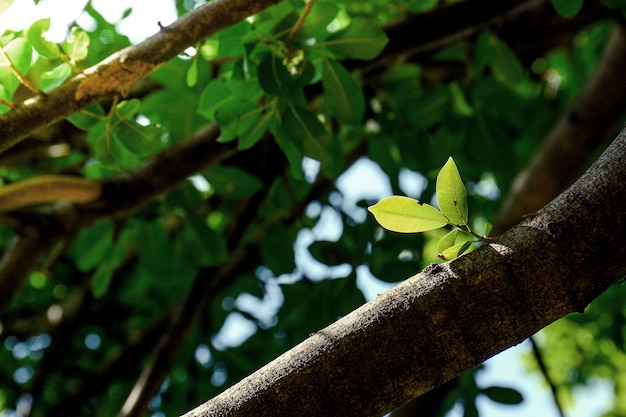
point(296, 28)
point(544, 370)
point(25, 81)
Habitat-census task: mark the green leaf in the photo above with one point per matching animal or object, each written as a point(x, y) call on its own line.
point(331, 253)
point(20, 54)
point(101, 280)
point(277, 249)
point(503, 395)
point(344, 96)
point(92, 245)
point(210, 247)
point(407, 215)
point(428, 109)
point(77, 46)
point(322, 14)
point(488, 227)
point(274, 77)
point(568, 8)
point(192, 74)
point(307, 133)
point(447, 241)
point(43, 46)
point(108, 149)
point(455, 251)
point(213, 97)
point(128, 108)
point(504, 63)
point(140, 140)
point(286, 143)
point(451, 194)
point(231, 182)
point(363, 39)
point(236, 118)
point(422, 6)
point(230, 39)
point(55, 77)
point(87, 118)
point(249, 138)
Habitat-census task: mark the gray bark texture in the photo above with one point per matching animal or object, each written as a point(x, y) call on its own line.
point(453, 316)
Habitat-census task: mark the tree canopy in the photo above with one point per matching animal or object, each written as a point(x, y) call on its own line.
point(177, 213)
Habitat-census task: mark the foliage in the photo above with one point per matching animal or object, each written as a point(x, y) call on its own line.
point(266, 237)
point(407, 215)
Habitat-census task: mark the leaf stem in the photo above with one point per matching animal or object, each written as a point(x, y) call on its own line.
point(296, 28)
point(23, 80)
point(466, 229)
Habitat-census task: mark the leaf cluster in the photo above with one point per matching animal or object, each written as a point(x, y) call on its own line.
point(408, 215)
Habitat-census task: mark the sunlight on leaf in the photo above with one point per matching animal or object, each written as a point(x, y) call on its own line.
point(43, 46)
point(447, 241)
point(455, 251)
point(407, 215)
point(451, 194)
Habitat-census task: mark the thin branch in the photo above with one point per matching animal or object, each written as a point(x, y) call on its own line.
point(298, 25)
point(544, 370)
point(119, 72)
point(23, 80)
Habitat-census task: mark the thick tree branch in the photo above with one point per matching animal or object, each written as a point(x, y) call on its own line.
point(575, 140)
point(453, 316)
point(118, 73)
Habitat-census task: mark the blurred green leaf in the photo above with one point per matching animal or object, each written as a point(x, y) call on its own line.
point(213, 97)
point(307, 133)
point(236, 118)
point(344, 96)
point(93, 245)
point(316, 23)
point(87, 118)
point(503, 395)
point(274, 77)
point(192, 73)
point(55, 77)
point(35, 37)
point(232, 182)
point(76, 46)
point(568, 8)
point(19, 52)
point(277, 249)
point(363, 39)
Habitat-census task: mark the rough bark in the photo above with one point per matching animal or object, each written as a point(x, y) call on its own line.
point(453, 316)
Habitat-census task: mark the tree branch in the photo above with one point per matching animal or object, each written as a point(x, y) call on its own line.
point(429, 329)
point(115, 75)
point(576, 138)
